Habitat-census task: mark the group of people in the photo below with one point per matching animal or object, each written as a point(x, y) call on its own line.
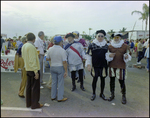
point(141, 49)
point(69, 58)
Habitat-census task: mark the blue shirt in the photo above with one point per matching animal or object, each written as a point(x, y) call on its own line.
point(19, 48)
point(18, 43)
point(132, 45)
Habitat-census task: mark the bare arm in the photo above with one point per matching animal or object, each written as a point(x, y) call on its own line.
point(48, 59)
point(65, 67)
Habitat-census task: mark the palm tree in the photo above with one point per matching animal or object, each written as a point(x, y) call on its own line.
point(83, 32)
point(45, 37)
point(89, 30)
point(144, 15)
point(123, 30)
point(111, 32)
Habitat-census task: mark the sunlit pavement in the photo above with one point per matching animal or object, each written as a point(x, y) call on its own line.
point(79, 103)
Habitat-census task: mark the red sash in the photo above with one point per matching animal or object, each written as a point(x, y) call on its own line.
point(76, 52)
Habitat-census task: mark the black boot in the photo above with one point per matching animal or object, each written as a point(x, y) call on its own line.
point(78, 81)
point(82, 87)
point(81, 79)
point(73, 85)
point(123, 91)
point(103, 96)
point(102, 88)
point(93, 97)
point(112, 88)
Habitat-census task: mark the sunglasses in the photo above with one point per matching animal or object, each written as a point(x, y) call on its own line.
point(116, 37)
point(100, 36)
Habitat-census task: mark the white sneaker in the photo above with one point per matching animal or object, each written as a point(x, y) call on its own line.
point(138, 62)
point(41, 87)
point(43, 83)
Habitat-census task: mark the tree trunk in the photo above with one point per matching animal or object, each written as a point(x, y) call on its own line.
point(146, 25)
point(142, 24)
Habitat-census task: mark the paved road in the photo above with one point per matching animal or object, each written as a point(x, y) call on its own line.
point(79, 103)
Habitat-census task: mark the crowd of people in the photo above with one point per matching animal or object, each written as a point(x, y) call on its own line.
point(69, 57)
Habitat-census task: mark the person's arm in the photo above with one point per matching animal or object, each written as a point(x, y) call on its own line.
point(48, 56)
point(88, 62)
point(65, 67)
point(109, 56)
point(64, 58)
point(145, 55)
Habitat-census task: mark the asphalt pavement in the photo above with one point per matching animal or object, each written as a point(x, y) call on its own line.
point(79, 103)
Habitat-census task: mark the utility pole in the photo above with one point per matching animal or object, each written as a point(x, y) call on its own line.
point(133, 29)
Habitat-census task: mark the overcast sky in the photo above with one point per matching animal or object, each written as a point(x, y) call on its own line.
point(61, 17)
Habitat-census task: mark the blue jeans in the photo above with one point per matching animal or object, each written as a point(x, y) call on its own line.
point(148, 63)
point(57, 74)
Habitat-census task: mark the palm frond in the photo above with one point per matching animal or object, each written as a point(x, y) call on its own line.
point(139, 12)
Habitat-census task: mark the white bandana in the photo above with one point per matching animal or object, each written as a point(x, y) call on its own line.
point(117, 44)
point(99, 43)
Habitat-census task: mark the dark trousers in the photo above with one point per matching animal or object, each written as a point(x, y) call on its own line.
point(32, 90)
point(73, 75)
point(95, 82)
point(98, 72)
point(140, 56)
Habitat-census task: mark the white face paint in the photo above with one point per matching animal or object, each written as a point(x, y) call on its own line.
point(100, 37)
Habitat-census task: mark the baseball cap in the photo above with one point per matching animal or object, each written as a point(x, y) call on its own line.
point(58, 39)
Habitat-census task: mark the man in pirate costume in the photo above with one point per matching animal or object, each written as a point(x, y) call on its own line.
point(96, 52)
point(79, 39)
point(75, 56)
point(117, 56)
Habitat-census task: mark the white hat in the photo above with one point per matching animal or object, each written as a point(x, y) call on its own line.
point(118, 34)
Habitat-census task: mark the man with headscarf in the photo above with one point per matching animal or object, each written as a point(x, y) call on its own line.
point(96, 53)
point(118, 55)
point(79, 39)
point(75, 55)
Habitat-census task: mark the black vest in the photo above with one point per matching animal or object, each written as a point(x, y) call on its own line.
point(98, 55)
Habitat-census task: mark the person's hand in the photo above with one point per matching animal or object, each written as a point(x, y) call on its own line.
point(126, 56)
point(65, 74)
point(36, 76)
point(89, 68)
point(112, 55)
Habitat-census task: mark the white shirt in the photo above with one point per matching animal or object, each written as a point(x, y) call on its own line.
point(40, 45)
point(57, 55)
point(72, 57)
